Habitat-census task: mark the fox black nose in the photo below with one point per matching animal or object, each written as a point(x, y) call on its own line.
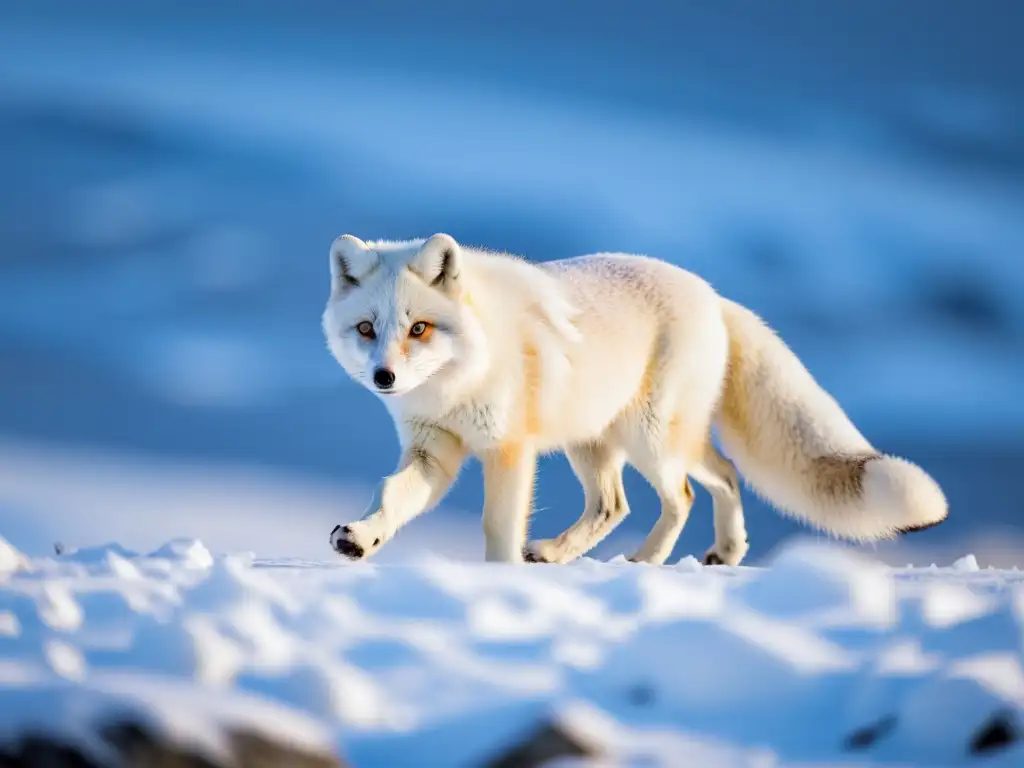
point(383, 378)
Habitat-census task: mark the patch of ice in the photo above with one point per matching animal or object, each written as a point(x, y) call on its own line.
point(944, 605)
point(10, 559)
point(97, 554)
point(122, 568)
point(905, 657)
point(334, 691)
point(65, 659)
point(666, 597)
point(688, 564)
point(189, 552)
point(824, 582)
point(212, 657)
point(9, 624)
point(58, 608)
point(966, 563)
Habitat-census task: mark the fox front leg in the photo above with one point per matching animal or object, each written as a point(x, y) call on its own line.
point(508, 497)
point(429, 465)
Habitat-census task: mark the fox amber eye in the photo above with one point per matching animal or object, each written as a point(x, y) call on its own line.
point(418, 329)
point(365, 329)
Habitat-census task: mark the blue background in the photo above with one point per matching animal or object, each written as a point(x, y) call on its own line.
point(173, 174)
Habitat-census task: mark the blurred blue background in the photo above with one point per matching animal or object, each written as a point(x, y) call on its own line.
point(173, 174)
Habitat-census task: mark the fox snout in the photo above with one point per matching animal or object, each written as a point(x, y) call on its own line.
point(384, 379)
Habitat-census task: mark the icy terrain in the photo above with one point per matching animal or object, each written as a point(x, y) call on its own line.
point(171, 179)
point(821, 658)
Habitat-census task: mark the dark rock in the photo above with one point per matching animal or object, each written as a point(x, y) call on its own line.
point(998, 732)
point(548, 742)
point(132, 745)
point(254, 750)
point(864, 737)
point(42, 752)
point(642, 695)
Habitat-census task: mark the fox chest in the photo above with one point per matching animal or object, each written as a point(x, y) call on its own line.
point(481, 426)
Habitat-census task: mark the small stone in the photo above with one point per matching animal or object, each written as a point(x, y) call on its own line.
point(864, 737)
point(642, 695)
point(966, 563)
point(135, 745)
point(548, 742)
point(998, 732)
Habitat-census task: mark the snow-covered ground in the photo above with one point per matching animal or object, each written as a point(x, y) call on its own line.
point(822, 658)
point(170, 176)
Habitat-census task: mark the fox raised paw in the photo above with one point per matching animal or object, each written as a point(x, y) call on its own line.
point(351, 542)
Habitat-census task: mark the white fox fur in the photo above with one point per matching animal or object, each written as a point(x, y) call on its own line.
point(612, 358)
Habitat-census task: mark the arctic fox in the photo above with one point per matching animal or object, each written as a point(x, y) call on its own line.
point(611, 358)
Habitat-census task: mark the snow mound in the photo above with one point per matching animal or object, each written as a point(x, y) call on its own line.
point(824, 657)
point(10, 559)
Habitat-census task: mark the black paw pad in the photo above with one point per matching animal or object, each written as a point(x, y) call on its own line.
point(713, 559)
point(532, 557)
point(346, 547)
point(349, 549)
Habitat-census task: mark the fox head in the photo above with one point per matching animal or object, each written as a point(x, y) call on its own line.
point(397, 316)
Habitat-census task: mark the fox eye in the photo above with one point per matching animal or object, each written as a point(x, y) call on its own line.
point(365, 329)
point(418, 329)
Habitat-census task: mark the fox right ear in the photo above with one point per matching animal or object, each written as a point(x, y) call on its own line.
point(438, 262)
point(351, 260)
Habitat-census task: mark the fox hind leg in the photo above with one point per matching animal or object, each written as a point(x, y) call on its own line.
point(662, 450)
point(718, 476)
point(676, 494)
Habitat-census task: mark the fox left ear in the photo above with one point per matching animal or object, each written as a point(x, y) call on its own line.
point(439, 262)
point(351, 260)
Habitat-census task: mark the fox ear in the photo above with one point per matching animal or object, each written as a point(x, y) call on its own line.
point(439, 262)
point(351, 259)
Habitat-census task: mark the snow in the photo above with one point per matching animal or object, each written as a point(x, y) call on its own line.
point(386, 663)
point(10, 558)
point(172, 177)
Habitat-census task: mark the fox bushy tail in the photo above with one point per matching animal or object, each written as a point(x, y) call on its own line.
point(796, 448)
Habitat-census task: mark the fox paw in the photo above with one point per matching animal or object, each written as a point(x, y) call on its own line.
point(542, 551)
point(726, 554)
point(529, 556)
point(348, 541)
